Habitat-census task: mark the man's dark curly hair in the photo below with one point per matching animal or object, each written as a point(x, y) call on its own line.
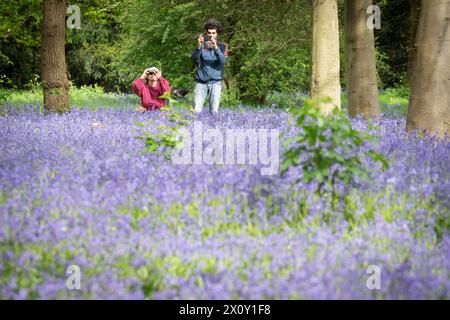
point(213, 24)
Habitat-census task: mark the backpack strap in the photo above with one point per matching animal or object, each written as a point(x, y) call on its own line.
point(224, 48)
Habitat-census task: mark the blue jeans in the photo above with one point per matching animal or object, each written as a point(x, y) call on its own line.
point(202, 90)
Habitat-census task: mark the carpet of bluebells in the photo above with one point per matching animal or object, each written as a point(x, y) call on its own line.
point(78, 189)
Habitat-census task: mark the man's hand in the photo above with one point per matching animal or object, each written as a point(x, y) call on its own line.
point(200, 40)
point(214, 43)
point(158, 74)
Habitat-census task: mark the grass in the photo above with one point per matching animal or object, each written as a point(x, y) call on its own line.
point(85, 96)
point(393, 101)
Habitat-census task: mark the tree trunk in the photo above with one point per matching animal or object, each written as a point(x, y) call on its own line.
point(429, 104)
point(325, 64)
point(414, 20)
point(360, 56)
point(53, 61)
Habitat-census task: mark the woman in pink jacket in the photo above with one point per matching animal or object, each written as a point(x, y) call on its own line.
point(149, 87)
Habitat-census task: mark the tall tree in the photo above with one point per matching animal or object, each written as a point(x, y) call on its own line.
point(325, 65)
point(429, 105)
point(361, 64)
point(414, 23)
point(53, 61)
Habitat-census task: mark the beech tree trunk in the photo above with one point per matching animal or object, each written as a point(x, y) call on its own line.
point(429, 105)
point(415, 14)
point(361, 64)
point(53, 60)
point(325, 65)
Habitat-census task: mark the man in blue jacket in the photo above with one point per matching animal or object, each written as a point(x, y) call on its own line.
point(210, 56)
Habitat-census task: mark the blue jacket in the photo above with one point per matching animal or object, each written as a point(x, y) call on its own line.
point(210, 62)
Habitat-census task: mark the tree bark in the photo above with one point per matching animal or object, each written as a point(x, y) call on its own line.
point(429, 105)
point(414, 20)
point(325, 65)
point(53, 61)
point(361, 65)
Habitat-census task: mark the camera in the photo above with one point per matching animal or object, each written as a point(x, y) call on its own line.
point(151, 71)
point(207, 41)
point(206, 37)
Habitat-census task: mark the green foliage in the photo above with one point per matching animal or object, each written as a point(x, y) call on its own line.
point(265, 53)
point(92, 49)
point(167, 137)
point(393, 42)
point(394, 101)
point(4, 94)
point(285, 100)
point(20, 39)
point(269, 44)
point(164, 39)
point(328, 148)
point(89, 50)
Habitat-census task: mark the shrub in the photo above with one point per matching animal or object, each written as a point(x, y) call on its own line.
point(328, 149)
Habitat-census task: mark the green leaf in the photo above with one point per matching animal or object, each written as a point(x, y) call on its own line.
point(165, 95)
